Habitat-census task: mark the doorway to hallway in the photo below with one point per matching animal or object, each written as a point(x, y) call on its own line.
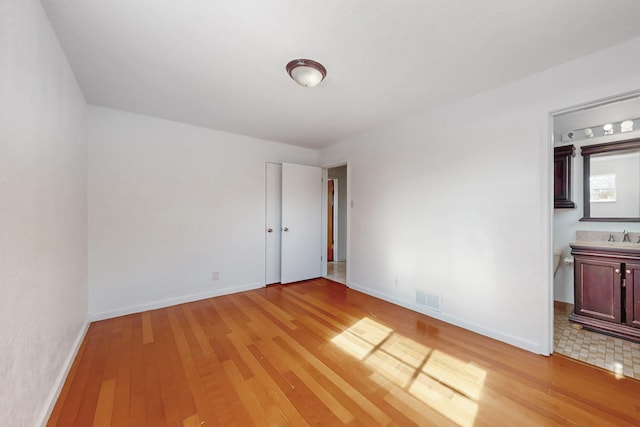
point(337, 223)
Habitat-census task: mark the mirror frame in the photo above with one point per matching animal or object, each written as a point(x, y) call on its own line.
point(607, 147)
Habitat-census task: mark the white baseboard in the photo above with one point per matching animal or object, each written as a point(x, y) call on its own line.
point(528, 345)
point(62, 376)
point(173, 301)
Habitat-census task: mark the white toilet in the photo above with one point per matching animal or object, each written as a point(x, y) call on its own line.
point(556, 261)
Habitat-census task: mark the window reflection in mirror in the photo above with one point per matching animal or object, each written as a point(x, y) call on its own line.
point(603, 187)
point(612, 181)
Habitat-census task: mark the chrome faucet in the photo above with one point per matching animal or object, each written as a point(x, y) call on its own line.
point(625, 236)
point(611, 239)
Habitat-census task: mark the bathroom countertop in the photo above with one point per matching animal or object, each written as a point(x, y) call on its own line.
point(612, 249)
point(604, 236)
point(601, 244)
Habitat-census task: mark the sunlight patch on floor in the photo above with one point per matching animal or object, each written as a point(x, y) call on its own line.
point(361, 338)
point(448, 385)
point(466, 378)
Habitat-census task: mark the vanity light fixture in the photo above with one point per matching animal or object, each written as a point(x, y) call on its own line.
point(596, 131)
point(626, 126)
point(306, 72)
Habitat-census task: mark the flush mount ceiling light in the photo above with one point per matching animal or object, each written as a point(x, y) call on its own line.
point(306, 72)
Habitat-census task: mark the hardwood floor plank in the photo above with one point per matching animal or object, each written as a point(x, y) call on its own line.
point(294, 408)
point(229, 407)
point(68, 385)
point(194, 385)
point(266, 387)
point(192, 421)
point(175, 390)
point(318, 353)
point(104, 408)
point(147, 329)
point(315, 409)
point(198, 332)
point(251, 405)
point(120, 413)
point(313, 402)
point(273, 309)
point(167, 372)
point(317, 313)
point(87, 407)
point(68, 407)
point(246, 335)
point(137, 397)
point(361, 378)
point(289, 347)
point(413, 408)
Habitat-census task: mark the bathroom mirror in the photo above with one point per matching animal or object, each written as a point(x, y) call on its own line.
point(612, 181)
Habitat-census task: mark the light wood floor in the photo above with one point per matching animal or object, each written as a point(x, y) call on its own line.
point(317, 353)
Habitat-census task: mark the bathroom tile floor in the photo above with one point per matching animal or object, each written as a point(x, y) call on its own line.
point(337, 271)
point(613, 354)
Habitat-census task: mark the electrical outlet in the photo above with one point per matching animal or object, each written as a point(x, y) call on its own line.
point(215, 275)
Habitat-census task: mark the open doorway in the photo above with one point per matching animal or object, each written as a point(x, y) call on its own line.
point(336, 236)
point(588, 220)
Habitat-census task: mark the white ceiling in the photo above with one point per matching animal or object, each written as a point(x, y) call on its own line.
point(221, 64)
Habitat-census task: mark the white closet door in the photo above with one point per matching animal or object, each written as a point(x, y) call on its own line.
point(273, 222)
point(301, 245)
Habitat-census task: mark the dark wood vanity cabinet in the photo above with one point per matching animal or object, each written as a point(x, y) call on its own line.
point(632, 289)
point(562, 175)
point(598, 288)
point(607, 290)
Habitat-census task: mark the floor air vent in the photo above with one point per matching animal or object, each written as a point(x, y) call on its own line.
point(429, 300)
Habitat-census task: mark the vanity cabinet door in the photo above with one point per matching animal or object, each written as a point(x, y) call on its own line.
point(598, 288)
point(632, 295)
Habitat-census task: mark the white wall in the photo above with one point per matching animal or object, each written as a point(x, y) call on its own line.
point(458, 201)
point(43, 215)
point(340, 173)
point(169, 204)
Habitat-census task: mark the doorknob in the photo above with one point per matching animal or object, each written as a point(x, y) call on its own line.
point(269, 230)
point(285, 229)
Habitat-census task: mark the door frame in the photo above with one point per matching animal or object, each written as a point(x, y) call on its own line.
point(549, 146)
point(332, 219)
point(350, 203)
